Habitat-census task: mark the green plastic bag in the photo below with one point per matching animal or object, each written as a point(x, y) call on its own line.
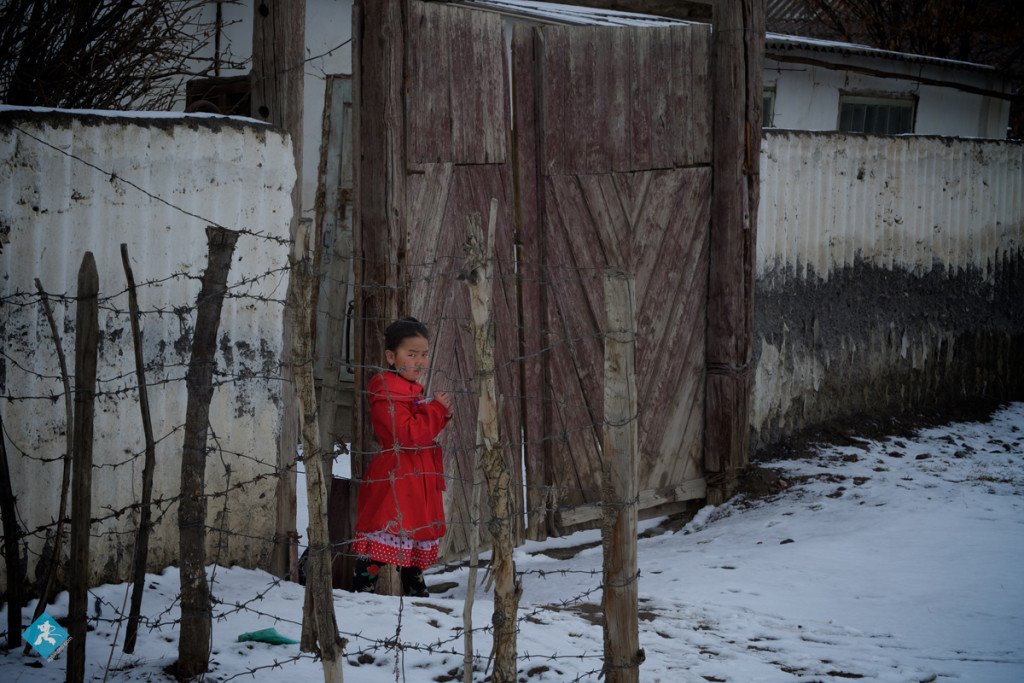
point(267, 635)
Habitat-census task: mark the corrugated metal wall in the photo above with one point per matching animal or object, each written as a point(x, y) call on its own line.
point(831, 200)
point(71, 184)
point(890, 277)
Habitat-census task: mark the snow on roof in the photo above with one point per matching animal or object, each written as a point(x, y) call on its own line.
point(570, 14)
point(576, 15)
point(116, 113)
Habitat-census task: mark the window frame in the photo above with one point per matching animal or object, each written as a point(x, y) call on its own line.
point(902, 101)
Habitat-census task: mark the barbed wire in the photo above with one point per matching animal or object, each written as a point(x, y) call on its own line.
point(573, 415)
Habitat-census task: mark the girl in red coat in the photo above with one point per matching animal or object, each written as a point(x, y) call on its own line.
point(400, 517)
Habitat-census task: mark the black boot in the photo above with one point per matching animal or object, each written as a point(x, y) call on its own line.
point(365, 575)
point(413, 584)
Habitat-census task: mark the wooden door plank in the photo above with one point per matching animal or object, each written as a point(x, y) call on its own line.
point(599, 197)
point(456, 101)
point(428, 98)
point(693, 116)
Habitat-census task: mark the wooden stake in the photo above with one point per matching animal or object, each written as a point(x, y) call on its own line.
point(319, 625)
point(194, 639)
point(12, 534)
point(474, 564)
point(86, 348)
point(50, 583)
point(620, 471)
point(142, 540)
point(485, 408)
point(496, 470)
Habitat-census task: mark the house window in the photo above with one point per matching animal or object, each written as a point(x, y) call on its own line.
point(876, 115)
point(768, 108)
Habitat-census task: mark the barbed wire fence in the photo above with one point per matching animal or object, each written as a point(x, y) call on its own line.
point(234, 477)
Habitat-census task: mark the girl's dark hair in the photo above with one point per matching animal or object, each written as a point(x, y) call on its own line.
point(401, 330)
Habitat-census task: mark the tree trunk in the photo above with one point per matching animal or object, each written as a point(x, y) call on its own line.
point(496, 470)
point(620, 470)
point(142, 541)
point(737, 62)
point(194, 639)
point(86, 348)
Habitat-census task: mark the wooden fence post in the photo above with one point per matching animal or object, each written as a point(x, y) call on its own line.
point(194, 639)
point(496, 470)
point(12, 534)
point(49, 583)
point(86, 348)
point(142, 540)
point(620, 471)
point(736, 83)
point(319, 625)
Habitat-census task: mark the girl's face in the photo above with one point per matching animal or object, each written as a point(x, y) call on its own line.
point(411, 359)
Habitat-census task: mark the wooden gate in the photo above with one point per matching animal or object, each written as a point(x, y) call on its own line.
point(613, 144)
point(609, 165)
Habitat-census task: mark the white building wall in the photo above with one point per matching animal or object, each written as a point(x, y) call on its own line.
point(71, 184)
point(328, 51)
point(807, 97)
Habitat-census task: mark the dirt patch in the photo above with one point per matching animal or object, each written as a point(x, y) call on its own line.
point(761, 482)
point(857, 430)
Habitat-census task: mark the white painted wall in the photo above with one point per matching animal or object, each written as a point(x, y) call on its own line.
point(807, 97)
point(328, 25)
point(828, 201)
point(158, 182)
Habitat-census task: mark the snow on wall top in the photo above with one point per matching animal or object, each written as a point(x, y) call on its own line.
point(136, 114)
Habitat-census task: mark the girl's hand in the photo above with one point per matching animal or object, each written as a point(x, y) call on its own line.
point(444, 399)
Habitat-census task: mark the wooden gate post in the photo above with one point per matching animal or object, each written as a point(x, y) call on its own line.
point(86, 349)
point(378, 136)
point(620, 470)
point(738, 58)
point(278, 74)
point(194, 639)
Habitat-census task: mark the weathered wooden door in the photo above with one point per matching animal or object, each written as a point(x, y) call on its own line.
point(613, 145)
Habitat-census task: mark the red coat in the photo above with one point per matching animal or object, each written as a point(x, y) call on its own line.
point(411, 505)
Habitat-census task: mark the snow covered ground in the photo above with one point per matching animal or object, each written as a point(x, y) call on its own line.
point(888, 560)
